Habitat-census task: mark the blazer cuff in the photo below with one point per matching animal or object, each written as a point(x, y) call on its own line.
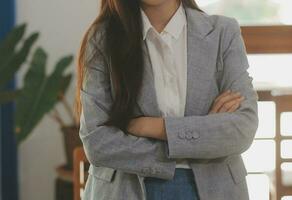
point(177, 136)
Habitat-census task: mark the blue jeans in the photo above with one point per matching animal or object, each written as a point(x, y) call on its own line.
point(181, 187)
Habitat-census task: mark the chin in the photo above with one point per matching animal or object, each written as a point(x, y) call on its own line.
point(153, 2)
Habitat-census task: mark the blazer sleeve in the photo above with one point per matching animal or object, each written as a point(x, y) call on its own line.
point(107, 145)
point(219, 134)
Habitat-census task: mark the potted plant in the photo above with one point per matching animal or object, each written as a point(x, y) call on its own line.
point(40, 92)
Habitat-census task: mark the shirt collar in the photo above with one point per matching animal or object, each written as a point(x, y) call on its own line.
point(173, 27)
point(146, 24)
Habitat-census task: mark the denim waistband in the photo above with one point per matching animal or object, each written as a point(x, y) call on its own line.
point(181, 175)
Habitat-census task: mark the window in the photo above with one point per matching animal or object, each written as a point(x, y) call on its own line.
point(251, 12)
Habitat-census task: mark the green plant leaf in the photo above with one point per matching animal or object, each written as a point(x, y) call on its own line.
point(38, 98)
point(15, 60)
point(8, 45)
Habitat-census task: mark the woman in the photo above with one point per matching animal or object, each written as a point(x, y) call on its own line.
point(167, 103)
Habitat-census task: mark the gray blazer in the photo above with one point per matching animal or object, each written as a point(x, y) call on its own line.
point(212, 143)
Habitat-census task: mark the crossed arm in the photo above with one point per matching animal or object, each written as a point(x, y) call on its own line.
point(220, 134)
point(214, 135)
point(154, 127)
point(211, 136)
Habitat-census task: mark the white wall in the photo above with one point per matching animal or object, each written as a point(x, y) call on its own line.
point(62, 24)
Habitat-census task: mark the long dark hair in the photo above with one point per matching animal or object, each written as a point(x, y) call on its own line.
point(123, 42)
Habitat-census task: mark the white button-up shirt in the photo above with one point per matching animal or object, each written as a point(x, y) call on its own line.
point(168, 55)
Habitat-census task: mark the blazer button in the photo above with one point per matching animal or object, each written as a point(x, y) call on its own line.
point(181, 135)
point(189, 135)
point(195, 134)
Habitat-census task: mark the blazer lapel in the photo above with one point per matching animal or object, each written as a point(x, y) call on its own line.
point(198, 60)
point(147, 100)
point(198, 26)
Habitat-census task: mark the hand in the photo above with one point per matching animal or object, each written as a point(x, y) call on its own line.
point(226, 102)
point(135, 126)
point(152, 127)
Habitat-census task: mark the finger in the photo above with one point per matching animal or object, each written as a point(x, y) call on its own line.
point(223, 108)
point(233, 108)
point(225, 99)
point(227, 92)
point(222, 95)
point(216, 108)
point(229, 104)
point(217, 105)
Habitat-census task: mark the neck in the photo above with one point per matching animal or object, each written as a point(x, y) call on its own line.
point(159, 15)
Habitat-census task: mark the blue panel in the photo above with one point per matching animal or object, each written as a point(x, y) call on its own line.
point(8, 151)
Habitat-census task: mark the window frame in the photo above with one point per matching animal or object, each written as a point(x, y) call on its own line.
point(279, 39)
point(267, 40)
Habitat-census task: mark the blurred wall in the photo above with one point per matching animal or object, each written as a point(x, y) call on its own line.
point(62, 24)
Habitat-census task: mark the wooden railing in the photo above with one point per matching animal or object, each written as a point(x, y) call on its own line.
point(283, 103)
point(80, 173)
